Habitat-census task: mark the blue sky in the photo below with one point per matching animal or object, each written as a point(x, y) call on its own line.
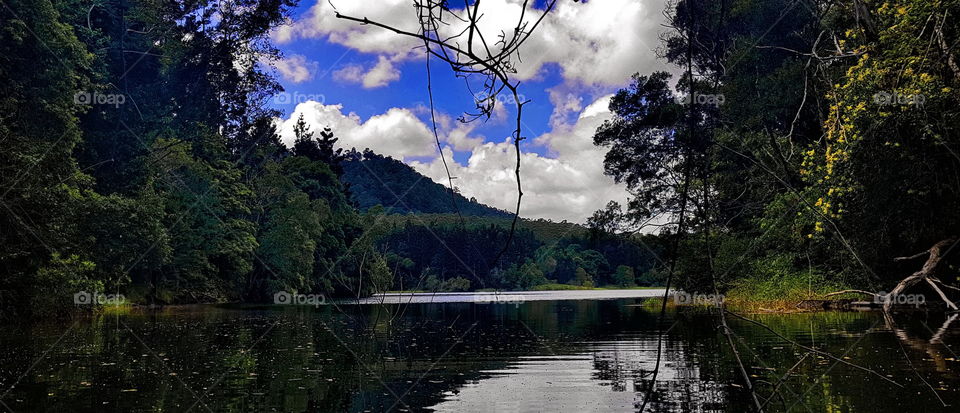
point(369, 85)
point(450, 94)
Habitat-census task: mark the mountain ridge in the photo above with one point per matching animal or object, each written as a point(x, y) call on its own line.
point(375, 179)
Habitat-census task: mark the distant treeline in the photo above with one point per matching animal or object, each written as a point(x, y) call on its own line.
point(425, 254)
point(429, 246)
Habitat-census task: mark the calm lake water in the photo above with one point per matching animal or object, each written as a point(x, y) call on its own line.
point(562, 354)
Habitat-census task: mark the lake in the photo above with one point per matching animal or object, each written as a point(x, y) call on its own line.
point(530, 352)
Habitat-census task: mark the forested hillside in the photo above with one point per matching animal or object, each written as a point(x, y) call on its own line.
point(428, 254)
point(381, 180)
point(543, 229)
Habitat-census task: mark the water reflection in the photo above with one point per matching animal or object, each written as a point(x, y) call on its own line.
point(536, 356)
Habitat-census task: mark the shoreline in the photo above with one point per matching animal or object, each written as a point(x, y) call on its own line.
point(652, 297)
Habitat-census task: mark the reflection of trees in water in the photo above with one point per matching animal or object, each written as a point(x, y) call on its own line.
point(822, 383)
point(249, 361)
point(288, 361)
point(928, 341)
point(626, 366)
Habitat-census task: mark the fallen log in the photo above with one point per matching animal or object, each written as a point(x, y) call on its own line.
point(926, 274)
point(824, 304)
point(935, 254)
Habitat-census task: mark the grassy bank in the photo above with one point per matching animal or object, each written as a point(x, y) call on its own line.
point(777, 293)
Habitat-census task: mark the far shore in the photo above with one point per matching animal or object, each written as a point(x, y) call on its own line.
point(508, 297)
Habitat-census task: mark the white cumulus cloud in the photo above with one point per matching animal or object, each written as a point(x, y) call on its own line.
point(379, 75)
point(296, 68)
point(596, 42)
point(397, 133)
point(566, 184)
point(320, 21)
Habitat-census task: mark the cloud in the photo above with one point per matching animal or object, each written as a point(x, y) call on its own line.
point(320, 21)
point(566, 184)
point(349, 74)
point(296, 68)
point(397, 132)
point(379, 75)
point(405, 134)
point(593, 43)
point(564, 102)
point(461, 135)
point(598, 42)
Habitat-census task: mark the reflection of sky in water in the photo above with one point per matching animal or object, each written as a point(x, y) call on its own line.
point(507, 297)
point(566, 355)
point(607, 378)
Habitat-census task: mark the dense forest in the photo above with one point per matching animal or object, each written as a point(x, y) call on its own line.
point(181, 193)
point(140, 155)
point(144, 159)
point(805, 155)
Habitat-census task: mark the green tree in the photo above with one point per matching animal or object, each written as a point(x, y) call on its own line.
point(456, 284)
point(582, 278)
point(41, 186)
point(877, 179)
point(624, 276)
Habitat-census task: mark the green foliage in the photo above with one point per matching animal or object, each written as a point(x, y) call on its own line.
point(773, 282)
point(523, 277)
point(558, 287)
point(802, 182)
point(878, 177)
point(815, 167)
point(545, 230)
point(318, 150)
point(190, 194)
point(624, 276)
point(456, 284)
point(581, 278)
point(57, 282)
point(42, 63)
point(380, 278)
point(646, 151)
point(425, 251)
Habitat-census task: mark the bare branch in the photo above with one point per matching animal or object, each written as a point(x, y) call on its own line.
point(494, 67)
